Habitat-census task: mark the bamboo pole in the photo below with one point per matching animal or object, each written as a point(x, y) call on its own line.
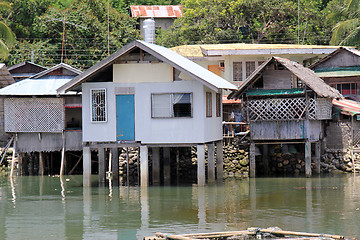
point(174, 237)
point(282, 232)
point(13, 160)
point(6, 148)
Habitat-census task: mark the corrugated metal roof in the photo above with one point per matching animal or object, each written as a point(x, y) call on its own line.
point(158, 11)
point(347, 107)
point(166, 55)
point(34, 87)
point(338, 72)
point(250, 49)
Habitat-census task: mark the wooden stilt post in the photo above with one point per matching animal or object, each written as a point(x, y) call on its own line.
point(86, 166)
point(62, 166)
point(102, 168)
point(127, 168)
point(144, 166)
point(31, 159)
point(219, 160)
point(177, 165)
point(317, 157)
point(24, 164)
point(265, 158)
point(252, 160)
point(41, 164)
point(167, 167)
point(201, 165)
point(13, 159)
point(211, 163)
point(156, 165)
point(308, 158)
point(115, 166)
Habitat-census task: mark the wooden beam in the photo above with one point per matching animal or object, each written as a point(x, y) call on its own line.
point(115, 166)
point(317, 157)
point(308, 158)
point(102, 168)
point(252, 160)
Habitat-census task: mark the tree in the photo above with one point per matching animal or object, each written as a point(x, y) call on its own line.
point(7, 37)
point(253, 21)
point(347, 30)
point(124, 5)
point(82, 28)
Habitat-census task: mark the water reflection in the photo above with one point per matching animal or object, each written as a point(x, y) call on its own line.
point(59, 208)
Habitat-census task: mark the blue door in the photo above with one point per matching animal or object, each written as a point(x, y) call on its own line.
point(125, 118)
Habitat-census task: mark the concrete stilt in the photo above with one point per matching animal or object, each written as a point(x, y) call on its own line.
point(156, 165)
point(86, 167)
point(317, 157)
point(308, 158)
point(144, 166)
point(211, 163)
point(219, 160)
point(201, 165)
point(265, 159)
point(167, 167)
point(115, 166)
point(41, 163)
point(102, 168)
point(252, 160)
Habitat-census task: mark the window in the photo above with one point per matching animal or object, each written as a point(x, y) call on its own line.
point(218, 105)
point(208, 104)
point(237, 71)
point(250, 68)
point(169, 105)
point(98, 105)
point(347, 88)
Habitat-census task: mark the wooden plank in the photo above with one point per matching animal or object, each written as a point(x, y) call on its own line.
point(308, 159)
point(252, 160)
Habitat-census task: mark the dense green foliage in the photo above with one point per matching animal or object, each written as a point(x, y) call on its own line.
point(6, 35)
point(76, 31)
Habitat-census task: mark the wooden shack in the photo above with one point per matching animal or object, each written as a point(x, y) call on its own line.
point(341, 70)
point(148, 96)
point(42, 120)
point(285, 103)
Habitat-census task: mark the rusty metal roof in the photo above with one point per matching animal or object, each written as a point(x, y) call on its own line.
point(204, 50)
point(158, 11)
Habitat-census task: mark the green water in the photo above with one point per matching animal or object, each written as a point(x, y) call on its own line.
point(48, 208)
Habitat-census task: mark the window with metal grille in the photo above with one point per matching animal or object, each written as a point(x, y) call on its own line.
point(237, 71)
point(171, 105)
point(98, 105)
point(218, 105)
point(250, 68)
point(208, 104)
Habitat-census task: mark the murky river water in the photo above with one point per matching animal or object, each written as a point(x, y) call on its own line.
point(48, 208)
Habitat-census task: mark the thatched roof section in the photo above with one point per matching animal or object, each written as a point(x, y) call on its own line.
point(5, 76)
point(307, 76)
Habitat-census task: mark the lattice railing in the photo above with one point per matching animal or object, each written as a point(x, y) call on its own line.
point(356, 138)
point(281, 109)
point(34, 114)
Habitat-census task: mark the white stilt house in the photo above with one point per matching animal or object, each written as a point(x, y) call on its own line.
point(149, 96)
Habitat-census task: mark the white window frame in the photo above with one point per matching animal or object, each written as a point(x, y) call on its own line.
point(92, 108)
point(171, 104)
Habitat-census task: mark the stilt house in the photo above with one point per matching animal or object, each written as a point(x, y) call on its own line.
point(341, 70)
point(149, 96)
point(285, 102)
point(41, 119)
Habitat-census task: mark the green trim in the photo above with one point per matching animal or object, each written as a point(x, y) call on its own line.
point(272, 92)
point(338, 72)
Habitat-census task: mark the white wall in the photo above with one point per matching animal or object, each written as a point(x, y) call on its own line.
point(197, 129)
point(136, 73)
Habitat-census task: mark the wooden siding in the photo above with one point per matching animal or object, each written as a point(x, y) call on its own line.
point(342, 59)
point(285, 130)
point(277, 79)
point(49, 142)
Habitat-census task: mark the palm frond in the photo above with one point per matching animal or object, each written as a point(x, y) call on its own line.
point(352, 39)
point(5, 5)
point(6, 35)
point(4, 50)
point(342, 28)
point(353, 6)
